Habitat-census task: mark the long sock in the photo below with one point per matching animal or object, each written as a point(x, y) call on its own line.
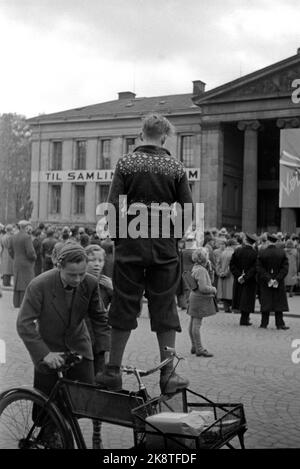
point(191, 332)
point(166, 339)
point(119, 340)
point(196, 333)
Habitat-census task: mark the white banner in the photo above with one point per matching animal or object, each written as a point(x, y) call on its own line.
point(91, 175)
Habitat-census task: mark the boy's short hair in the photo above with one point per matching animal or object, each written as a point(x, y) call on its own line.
point(155, 125)
point(91, 248)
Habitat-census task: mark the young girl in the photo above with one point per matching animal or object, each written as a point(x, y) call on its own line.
point(201, 301)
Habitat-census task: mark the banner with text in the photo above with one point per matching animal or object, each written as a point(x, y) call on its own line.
point(289, 189)
point(91, 175)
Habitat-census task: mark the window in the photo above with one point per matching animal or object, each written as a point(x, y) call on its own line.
point(80, 159)
point(187, 150)
point(79, 199)
point(55, 198)
point(130, 144)
point(103, 190)
point(56, 163)
point(105, 162)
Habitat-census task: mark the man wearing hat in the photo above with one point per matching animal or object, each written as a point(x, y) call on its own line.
point(51, 319)
point(272, 268)
point(243, 268)
point(22, 251)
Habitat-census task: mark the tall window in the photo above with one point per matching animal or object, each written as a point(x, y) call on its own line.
point(56, 163)
point(55, 198)
point(80, 157)
point(79, 199)
point(103, 190)
point(187, 150)
point(129, 144)
point(105, 162)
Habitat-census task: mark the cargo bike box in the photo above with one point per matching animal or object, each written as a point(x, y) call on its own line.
point(191, 422)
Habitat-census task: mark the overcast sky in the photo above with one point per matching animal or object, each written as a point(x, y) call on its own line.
point(61, 54)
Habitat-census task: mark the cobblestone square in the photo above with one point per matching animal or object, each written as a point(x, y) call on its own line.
point(250, 365)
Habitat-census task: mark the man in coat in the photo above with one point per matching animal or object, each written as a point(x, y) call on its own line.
point(6, 259)
point(243, 268)
point(272, 268)
point(22, 251)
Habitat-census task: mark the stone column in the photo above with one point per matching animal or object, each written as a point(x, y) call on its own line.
point(211, 186)
point(249, 211)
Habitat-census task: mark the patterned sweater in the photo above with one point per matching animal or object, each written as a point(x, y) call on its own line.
point(150, 175)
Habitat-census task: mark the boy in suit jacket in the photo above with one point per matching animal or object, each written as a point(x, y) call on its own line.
point(51, 319)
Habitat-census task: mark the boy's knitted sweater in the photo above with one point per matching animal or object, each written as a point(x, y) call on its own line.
point(150, 175)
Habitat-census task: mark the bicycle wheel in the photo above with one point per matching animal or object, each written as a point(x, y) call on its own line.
point(27, 423)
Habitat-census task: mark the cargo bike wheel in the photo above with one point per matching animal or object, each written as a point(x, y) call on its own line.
point(29, 421)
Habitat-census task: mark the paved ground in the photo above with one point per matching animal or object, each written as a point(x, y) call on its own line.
point(250, 365)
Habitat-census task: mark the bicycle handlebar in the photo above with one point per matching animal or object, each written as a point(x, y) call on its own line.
point(130, 370)
point(70, 359)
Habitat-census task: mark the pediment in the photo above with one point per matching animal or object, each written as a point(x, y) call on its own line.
point(273, 81)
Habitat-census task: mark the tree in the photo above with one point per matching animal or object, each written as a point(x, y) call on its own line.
point(15, 166)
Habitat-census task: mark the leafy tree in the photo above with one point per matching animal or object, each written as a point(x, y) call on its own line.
point(15, 166)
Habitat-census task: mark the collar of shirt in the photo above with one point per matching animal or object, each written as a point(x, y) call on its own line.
point(152, 149)
point(66, 286)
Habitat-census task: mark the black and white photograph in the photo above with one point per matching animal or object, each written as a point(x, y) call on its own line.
point(150, 227)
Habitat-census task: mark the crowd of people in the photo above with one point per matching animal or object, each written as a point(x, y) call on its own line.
point(26, 252)
point(242, 267)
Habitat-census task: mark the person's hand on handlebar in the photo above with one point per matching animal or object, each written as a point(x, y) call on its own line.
point(54, 360)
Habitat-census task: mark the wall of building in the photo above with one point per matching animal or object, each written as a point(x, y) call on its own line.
point(116, 130)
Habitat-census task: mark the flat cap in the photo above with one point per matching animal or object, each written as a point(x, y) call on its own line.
point(23, 223)
point(251, 238)
point(272, 237)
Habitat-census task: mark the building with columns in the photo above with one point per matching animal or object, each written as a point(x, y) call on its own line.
point(74, 152)
point(241, 123)
point(228, 138)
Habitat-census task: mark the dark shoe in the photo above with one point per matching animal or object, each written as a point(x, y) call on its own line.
point(110, 378)
point(283, 328)
point(246, 324)
point(169, 384)
point(204, 353)
point(263, 327)
point(193, 350)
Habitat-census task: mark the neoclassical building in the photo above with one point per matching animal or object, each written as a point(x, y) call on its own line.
point(241, 128)
point(74, 152)
point(229, 139)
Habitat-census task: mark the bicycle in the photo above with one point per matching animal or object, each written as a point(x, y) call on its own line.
point(31, 420)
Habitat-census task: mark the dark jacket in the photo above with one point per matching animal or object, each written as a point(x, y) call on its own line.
point(45, 324)
point(243, 260)
point(22, 251)
point(272, 263)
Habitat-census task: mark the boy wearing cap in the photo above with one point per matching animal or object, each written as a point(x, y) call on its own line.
point(51, 320)
point(243, 268)
point(272, 268)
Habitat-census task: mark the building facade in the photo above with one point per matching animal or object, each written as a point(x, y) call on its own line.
point(242, 124)
point(228, 138)
point(74, 152)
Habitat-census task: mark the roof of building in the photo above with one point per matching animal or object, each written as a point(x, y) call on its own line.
point(130, 106)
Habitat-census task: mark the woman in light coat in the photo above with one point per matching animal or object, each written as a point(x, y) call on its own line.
point(201, 301)
point(225, 277)
point(291, 278)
